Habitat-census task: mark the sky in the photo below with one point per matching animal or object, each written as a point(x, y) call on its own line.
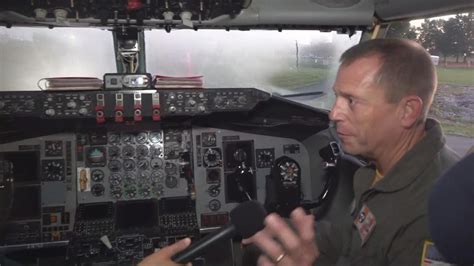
point(418, 22)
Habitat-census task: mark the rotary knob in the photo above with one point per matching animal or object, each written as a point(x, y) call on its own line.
point(191, 102)
point(71, 105)
point(242, 99)
point(83, 111)
point(220, 102)
point(2, 104)
point(50, 112)
point(172, 109)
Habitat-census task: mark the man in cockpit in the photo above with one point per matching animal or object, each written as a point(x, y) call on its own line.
point(384, 89)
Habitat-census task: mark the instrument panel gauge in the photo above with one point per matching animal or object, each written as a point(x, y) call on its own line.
point(115, 179)
point(155, 137)
point(130, 191)
point(156, 163)
point(95, 156)
point(128, 165)
point(212, 157)
point(209, 139)
point(97, 190)
point(265, 157)
point(128, 151)
point(155, 151)
point(97, 175)
point(143, 164)
point(53, 170)
point(127, 138)
point(116, 192)
point(157, 176)
point(143, 177)
point(130, 179)
point(142, 138)
point(289, 172)
point(214, 205)
point(115, 165)
point(171, 182)
point(53, 148)
point(142, 151)
point(114, 151)
point(214, 190)
point(113, 138)
point(144, 191)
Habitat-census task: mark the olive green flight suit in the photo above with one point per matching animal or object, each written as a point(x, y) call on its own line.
point(398, 203)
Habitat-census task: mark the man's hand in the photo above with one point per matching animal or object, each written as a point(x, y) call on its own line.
point(163, 256)
point(282, 245)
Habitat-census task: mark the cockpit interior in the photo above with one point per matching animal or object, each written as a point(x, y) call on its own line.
point(107, 156)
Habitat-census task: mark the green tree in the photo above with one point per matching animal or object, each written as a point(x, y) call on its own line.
point(430, 35)
point(453, 41)
point(401, 29)
point(468, 26)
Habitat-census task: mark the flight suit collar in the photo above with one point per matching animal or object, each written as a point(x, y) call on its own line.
point(408, 168)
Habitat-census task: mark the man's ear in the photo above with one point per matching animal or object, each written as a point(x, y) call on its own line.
point(410, 110)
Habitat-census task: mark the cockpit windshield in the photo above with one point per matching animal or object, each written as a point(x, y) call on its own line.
point(297, 64)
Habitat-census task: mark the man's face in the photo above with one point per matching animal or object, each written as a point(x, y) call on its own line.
point(366, 123)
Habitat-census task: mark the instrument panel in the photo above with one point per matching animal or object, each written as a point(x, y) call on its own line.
point(113, 190)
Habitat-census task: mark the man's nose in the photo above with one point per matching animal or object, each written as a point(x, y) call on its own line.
point(335, 114)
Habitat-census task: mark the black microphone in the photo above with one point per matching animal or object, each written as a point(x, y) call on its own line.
point(451, 213)
point(245, 220)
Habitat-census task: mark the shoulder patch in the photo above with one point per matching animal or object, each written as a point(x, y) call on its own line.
point(432, 257)
point(365, 223)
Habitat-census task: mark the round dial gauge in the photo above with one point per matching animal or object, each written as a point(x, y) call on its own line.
point(155, 151)
point(155, 137)
point(130, 191)
point(214, 190)
point(116, 192)
point(53, 170)
point(129, 165)
point(128, 151)
point(156, 163)
point(142, 138)
point(113, 138)
point(144, 191)
point(289, 172)
point(130, 179)
point(142, 151)
point(127, 138)
point(171, 182)
point(208, 139)
point(212, 157)
point(97, 190)
point(214, 205)
point(142, 164)
point(157, 176)
point(143, 177)
point(265, 158)
point(114, 152)
point(115, 165)
point(115, 179)
point(97, 175)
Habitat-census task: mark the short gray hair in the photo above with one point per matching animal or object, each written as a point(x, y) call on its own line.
point(406, 68)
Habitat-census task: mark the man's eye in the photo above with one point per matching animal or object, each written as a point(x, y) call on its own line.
point(351, 100)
